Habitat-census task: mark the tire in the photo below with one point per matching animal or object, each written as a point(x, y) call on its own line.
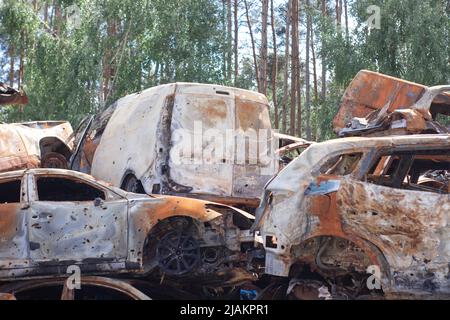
point(132, 184)
point(54, 160)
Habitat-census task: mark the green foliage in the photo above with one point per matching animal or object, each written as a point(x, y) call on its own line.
point(161, 41)
point(153, 42)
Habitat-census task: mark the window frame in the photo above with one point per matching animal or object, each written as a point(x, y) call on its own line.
point(365, 152)
point(23, 195)
point(376, 154)
point(34, 195)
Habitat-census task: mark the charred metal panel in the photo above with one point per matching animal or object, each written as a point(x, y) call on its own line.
point(252, 114)
point(75, 230)
point(197, 111)
point(65, 231)
point(129, 140)
point(410, 227)
point(13, 236)
point(21, 147)
point(370, 91)
point(14, 249)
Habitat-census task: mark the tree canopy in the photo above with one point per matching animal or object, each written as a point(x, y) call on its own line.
point(74, 57)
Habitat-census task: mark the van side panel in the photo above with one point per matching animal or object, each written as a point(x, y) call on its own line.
point(128, 143)
point(201, 117)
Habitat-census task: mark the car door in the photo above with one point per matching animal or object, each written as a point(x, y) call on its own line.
point(13, 212)
point(390, 206)
point(202, 153)
point(75, 221)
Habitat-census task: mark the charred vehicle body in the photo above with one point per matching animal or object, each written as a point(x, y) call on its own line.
point(32, 144)
point(52, 218)
point(379, 105)
point(351, 205)
point(35, 144)
point(133, 143)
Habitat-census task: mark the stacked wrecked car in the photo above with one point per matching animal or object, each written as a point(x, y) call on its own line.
point(367, 217)
point(359, 217)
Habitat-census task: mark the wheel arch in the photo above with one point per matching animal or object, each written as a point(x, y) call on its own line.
point(372, 251)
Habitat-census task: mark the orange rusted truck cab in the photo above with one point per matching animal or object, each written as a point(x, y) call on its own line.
point(375, 104)
point(350, 205)
point(196, 140)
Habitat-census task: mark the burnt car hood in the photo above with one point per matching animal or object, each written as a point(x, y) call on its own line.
point(375, 104)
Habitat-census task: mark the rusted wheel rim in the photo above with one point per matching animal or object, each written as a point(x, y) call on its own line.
point(178, 253)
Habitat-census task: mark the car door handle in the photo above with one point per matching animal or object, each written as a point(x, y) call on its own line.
point(43, 216)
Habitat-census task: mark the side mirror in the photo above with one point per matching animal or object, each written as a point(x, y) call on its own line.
point(98, 202)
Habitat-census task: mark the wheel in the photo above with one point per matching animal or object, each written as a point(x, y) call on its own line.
point(54, 160)
point(132, 184)
point(178, 253)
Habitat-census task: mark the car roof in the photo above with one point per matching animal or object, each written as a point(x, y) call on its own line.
point(402, 140)
point(51, 171)
point(359, 144)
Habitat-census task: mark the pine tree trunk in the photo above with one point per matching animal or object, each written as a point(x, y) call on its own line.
point(11, 65)
point(108, 69)
point(229, 41)
point(307, 72)
point(21, 68)
point(263, 50)
point(58, 20)
point(286, 70)
point(295, 72)
point(324, 68)
point(252, 39)
point(274, 67)
point(236, 41)
point(346, 19)
point(338, 12)
point(314, 61)
point(316, 90)
point(46, 12)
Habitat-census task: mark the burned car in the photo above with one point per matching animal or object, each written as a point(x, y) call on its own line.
point(52, 218)
point(375, 104)
point(351, 206)
point(36, 144)
point(228, 148)
point(94, 288)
